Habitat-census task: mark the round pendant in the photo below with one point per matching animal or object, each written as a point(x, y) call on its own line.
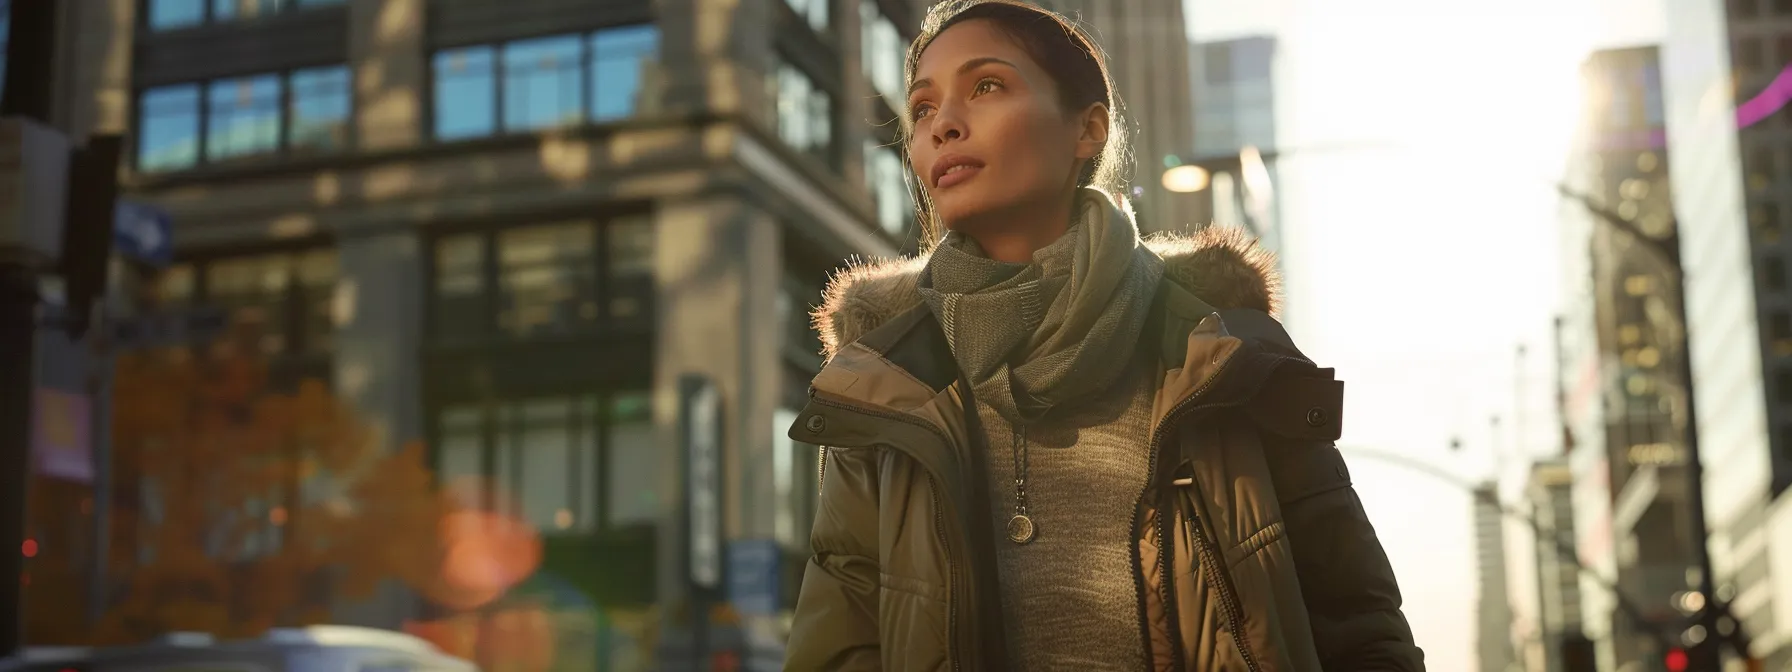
point(1020, 529)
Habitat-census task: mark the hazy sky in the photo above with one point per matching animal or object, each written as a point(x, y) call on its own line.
point(1405, 260)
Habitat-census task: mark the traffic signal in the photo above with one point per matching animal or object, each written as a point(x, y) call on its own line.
point(1675, 659)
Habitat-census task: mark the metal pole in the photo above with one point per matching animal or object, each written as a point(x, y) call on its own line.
point(1563, 547)
point(18, 331)
point(1704, 655)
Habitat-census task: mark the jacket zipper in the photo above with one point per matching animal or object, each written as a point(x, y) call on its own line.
point(939, 518)
point(1228, 591)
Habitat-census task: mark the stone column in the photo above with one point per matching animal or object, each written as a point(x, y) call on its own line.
point(379, 326)
point(93, 73)
point(390, 63)
point(716, 262)
point(713, 56)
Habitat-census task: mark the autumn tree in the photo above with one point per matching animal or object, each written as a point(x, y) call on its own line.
point(239, 505)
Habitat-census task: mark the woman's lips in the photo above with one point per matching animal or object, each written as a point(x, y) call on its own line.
point(957, 175)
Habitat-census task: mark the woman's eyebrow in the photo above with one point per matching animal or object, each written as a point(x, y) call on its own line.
point(967, 66)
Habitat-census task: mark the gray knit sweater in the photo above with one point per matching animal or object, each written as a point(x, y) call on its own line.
point(1068, 598)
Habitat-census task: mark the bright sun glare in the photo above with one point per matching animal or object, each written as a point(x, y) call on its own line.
point(1410, 262)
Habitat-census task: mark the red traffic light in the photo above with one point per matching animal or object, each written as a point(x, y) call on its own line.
point(1675, 660)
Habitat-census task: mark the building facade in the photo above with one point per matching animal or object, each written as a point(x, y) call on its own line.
point(1558, 601)
point(508, 230)
point(1622, 163)
point(1493, 615)
point(1233, 91)
point(1137, 35)
point(1744, 209)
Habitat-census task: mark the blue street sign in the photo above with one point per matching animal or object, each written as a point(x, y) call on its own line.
point(753, 576)
point(143, 232)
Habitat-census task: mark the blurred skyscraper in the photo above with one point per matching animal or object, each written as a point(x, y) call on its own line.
point(1727, 86)
point(1140, 37)
point(1625, 406)
point(1494, 613)
point(1233, 86)
point(1558, 579)
point(1742, 237)
point(508, 228)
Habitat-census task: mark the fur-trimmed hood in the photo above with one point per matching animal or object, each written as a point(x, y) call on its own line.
point(1224, 266)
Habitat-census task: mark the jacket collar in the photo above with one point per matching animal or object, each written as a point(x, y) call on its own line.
point(1223, 266)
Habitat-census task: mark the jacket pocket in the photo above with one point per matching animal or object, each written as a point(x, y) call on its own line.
point(911, 616)
point(1201, 616)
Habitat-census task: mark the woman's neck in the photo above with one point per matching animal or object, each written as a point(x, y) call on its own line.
point(1014, 237)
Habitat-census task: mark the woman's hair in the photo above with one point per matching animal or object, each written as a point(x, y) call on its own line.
point(1066, 53)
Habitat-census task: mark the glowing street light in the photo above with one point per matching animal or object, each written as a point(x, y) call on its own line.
point(1186, 179)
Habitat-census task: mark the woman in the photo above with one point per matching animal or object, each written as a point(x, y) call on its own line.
point(1054, 446)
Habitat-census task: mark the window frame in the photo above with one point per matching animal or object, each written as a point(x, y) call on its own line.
point(829, 154)
point(283, 148)
point(208, 14)
point(500, 429)
point(489, 329)
point(499, 82)
point(298, 357)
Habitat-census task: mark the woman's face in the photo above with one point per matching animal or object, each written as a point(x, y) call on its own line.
point(990, 139)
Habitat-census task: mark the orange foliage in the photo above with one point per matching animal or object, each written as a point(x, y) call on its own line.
point(239, 507)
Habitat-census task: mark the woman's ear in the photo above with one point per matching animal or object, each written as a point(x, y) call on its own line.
point(1094, 134)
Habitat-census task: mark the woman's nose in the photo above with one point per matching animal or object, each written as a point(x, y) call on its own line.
point(948, 125)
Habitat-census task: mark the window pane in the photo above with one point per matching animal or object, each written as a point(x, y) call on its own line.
point(460, 285)
point(507, 462)
point(174, 285)
point(546, 454)
point(547, 279)
point(319, 108)
point(168, 14)
point(882, 51)
point(541, 83)
point(244, 117)
point(590, 464)
point(253, 291)
point(461, 440)
point(619, 56)
point(168, 133)
point(793, 96)
point(814, 11)
point(805, 113)
point(226, 10)
point(821, 121)
point(5, 36)
point(634, 464)
point(465, 87)
point(784, 478)
point(317, 273)
point(884, 174)
point(630, 265)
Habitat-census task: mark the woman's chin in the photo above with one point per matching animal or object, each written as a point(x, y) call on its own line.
point(964, 212)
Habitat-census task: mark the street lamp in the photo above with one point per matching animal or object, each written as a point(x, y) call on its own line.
point(1187, 179)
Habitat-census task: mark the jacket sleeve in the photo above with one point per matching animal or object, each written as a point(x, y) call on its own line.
point(835, 626)
point(1352, 598)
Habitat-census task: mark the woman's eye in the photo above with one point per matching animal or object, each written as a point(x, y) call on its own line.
point(921, 111)
point(986, 85)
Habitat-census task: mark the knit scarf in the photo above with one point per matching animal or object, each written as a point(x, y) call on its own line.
point(1038, 336)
